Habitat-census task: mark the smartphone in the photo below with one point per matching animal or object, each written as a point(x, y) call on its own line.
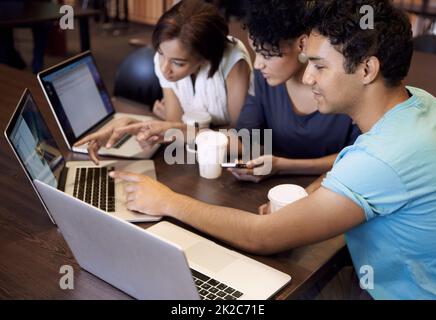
point(234, 165)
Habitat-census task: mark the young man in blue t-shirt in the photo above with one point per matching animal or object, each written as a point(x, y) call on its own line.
point(381, 191)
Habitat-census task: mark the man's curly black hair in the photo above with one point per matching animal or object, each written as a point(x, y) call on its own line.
point(390, 40)
point(271, 21)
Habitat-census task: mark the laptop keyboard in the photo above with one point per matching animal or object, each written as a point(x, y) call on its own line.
point(210, 289)
point(94, 186)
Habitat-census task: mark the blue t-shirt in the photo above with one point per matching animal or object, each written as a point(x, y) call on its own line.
point(390, 172)
point(294, 136)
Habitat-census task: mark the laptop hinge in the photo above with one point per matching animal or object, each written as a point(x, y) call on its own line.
point(63, 178)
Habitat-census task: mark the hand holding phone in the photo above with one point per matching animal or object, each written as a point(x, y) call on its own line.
point(234, 165)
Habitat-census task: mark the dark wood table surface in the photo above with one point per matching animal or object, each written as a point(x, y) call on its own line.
point(32, 250)
point(28, 13)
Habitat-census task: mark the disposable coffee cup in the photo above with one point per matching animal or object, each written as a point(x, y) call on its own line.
point(211, 150)
point(202, 118)
point(199, 119)
point(284, 194)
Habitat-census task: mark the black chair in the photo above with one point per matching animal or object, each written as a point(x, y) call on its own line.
point(425, 43)
point(135, 79)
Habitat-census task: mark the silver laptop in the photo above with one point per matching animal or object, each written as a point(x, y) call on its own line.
point(81, 105)
point(161, 262)
point(38, 154)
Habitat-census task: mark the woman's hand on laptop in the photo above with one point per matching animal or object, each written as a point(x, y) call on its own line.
point(104, 137)
point(150, 133)
point(146, 195)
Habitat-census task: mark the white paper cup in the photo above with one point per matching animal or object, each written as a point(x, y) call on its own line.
point(211, 150)
point(201, 117)
point(284, 194)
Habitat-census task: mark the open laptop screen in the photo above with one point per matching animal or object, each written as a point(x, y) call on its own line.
point(77, 95)
point(33, 143)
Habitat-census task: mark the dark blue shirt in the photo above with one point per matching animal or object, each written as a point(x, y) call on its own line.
point(294, 136)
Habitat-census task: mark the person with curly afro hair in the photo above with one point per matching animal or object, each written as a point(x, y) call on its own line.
point(304, 141)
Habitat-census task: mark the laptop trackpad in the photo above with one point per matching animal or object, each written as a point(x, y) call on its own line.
point(209, 256)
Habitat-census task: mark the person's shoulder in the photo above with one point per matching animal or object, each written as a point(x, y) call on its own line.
point(234, 52)
point(259, 80)
point(403, 135)
point(234, 46)
point(424, 97)
point(409, 115)
point(263, 90)
point(419, 92)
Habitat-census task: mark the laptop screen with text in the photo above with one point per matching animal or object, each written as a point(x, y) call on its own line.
point(34, 145)
point(77, 95)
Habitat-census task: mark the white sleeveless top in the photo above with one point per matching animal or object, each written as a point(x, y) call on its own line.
point(210, 93)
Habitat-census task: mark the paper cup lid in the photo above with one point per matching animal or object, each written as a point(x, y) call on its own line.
point(211, 138)
point(286, 193)
point(202, 118)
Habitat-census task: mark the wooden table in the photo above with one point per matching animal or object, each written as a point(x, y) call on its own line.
point(32, 250)
point(29, 13)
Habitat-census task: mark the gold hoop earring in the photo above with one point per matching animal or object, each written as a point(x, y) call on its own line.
point(303, 58)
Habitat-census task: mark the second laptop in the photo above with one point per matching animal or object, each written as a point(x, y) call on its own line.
point(81, 105)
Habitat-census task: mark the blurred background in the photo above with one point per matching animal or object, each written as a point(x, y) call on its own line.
point(31, 39)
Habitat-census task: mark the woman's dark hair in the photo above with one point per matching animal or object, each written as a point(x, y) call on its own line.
point(271, 22)
point(390, 40)
point(200, 28)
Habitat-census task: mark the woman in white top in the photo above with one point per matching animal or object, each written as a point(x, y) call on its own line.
point(200, 68)
point(219, 95)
